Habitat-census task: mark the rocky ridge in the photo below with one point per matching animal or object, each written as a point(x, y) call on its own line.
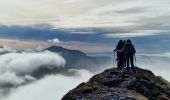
point(113, 84)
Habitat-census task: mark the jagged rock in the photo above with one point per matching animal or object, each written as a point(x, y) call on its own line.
point(113, 84)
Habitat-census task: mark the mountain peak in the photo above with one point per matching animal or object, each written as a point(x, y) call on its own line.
point(65, 51)
point(78, 59)
point(121, 85)
point(56, 47)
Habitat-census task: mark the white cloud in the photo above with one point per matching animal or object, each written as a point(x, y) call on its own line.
point(157, 63)
point(11, 78)
point(138, 33)
point(6, 49)
point(167, 54)
point(73, 1)
point(52, 87)
point(82, 32)
point(83, 13)
point(15, 68)
point(54, 41)
point(28, 62)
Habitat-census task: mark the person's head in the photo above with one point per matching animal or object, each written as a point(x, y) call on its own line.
point(128, 41)
point(120, 40)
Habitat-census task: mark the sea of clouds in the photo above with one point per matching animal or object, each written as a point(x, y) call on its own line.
point(157, 63)
point(15, 75)
point(52, 87)
point(16, 68)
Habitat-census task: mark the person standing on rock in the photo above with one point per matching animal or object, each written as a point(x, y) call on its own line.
point(129, 52)
point(120, 55)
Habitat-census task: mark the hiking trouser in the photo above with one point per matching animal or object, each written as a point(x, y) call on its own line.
point(120, 61)
point(130, 58)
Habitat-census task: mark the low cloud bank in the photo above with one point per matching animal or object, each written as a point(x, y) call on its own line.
point(15, 73)
point(157, 63)
point(15, 68)
point(25, 63)
point(6, 49)
point(52, 87)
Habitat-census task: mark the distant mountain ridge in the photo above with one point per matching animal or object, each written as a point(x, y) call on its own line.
point(78, 59)
point(66, 52)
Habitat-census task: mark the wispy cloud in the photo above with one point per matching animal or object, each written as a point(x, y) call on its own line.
point(87, 47)
point(138, 33)
point(166, 54)
point(94, 21)
point(30, 45)
point(83, 13)
point(23, 44)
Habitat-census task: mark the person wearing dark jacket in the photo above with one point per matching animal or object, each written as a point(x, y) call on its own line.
point(120, 55)
point(129, 52)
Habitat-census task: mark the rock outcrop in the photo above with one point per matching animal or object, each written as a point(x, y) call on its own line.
point(121, 85)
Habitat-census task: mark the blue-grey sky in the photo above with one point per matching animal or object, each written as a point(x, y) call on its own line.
point(89, 25)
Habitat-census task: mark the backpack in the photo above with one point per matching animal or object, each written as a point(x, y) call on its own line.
point(130, 49)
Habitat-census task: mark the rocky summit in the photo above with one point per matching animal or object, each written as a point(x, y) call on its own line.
point(113, 84)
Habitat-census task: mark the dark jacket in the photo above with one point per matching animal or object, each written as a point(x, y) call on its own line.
point(129, 49)
point(119, 46)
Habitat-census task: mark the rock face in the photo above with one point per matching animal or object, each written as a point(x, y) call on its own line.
point(121, 85)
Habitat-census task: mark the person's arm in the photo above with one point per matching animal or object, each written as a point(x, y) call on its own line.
point(134, 49)
point(116, 48)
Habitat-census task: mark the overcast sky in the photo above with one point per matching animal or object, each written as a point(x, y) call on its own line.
point(101, 20)
point(86, 13)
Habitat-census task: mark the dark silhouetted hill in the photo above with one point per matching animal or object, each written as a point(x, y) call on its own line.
point(66, 52)
point(120, 85)
point(79, 60)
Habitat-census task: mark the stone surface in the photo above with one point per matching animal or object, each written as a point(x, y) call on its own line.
point(113, 84)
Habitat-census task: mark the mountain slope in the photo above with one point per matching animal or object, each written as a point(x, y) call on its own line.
point(120, 85)
point(77, 59)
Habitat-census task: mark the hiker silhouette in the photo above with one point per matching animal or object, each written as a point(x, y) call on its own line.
point(125, 55)
point(120, 54)
point(129, 52)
